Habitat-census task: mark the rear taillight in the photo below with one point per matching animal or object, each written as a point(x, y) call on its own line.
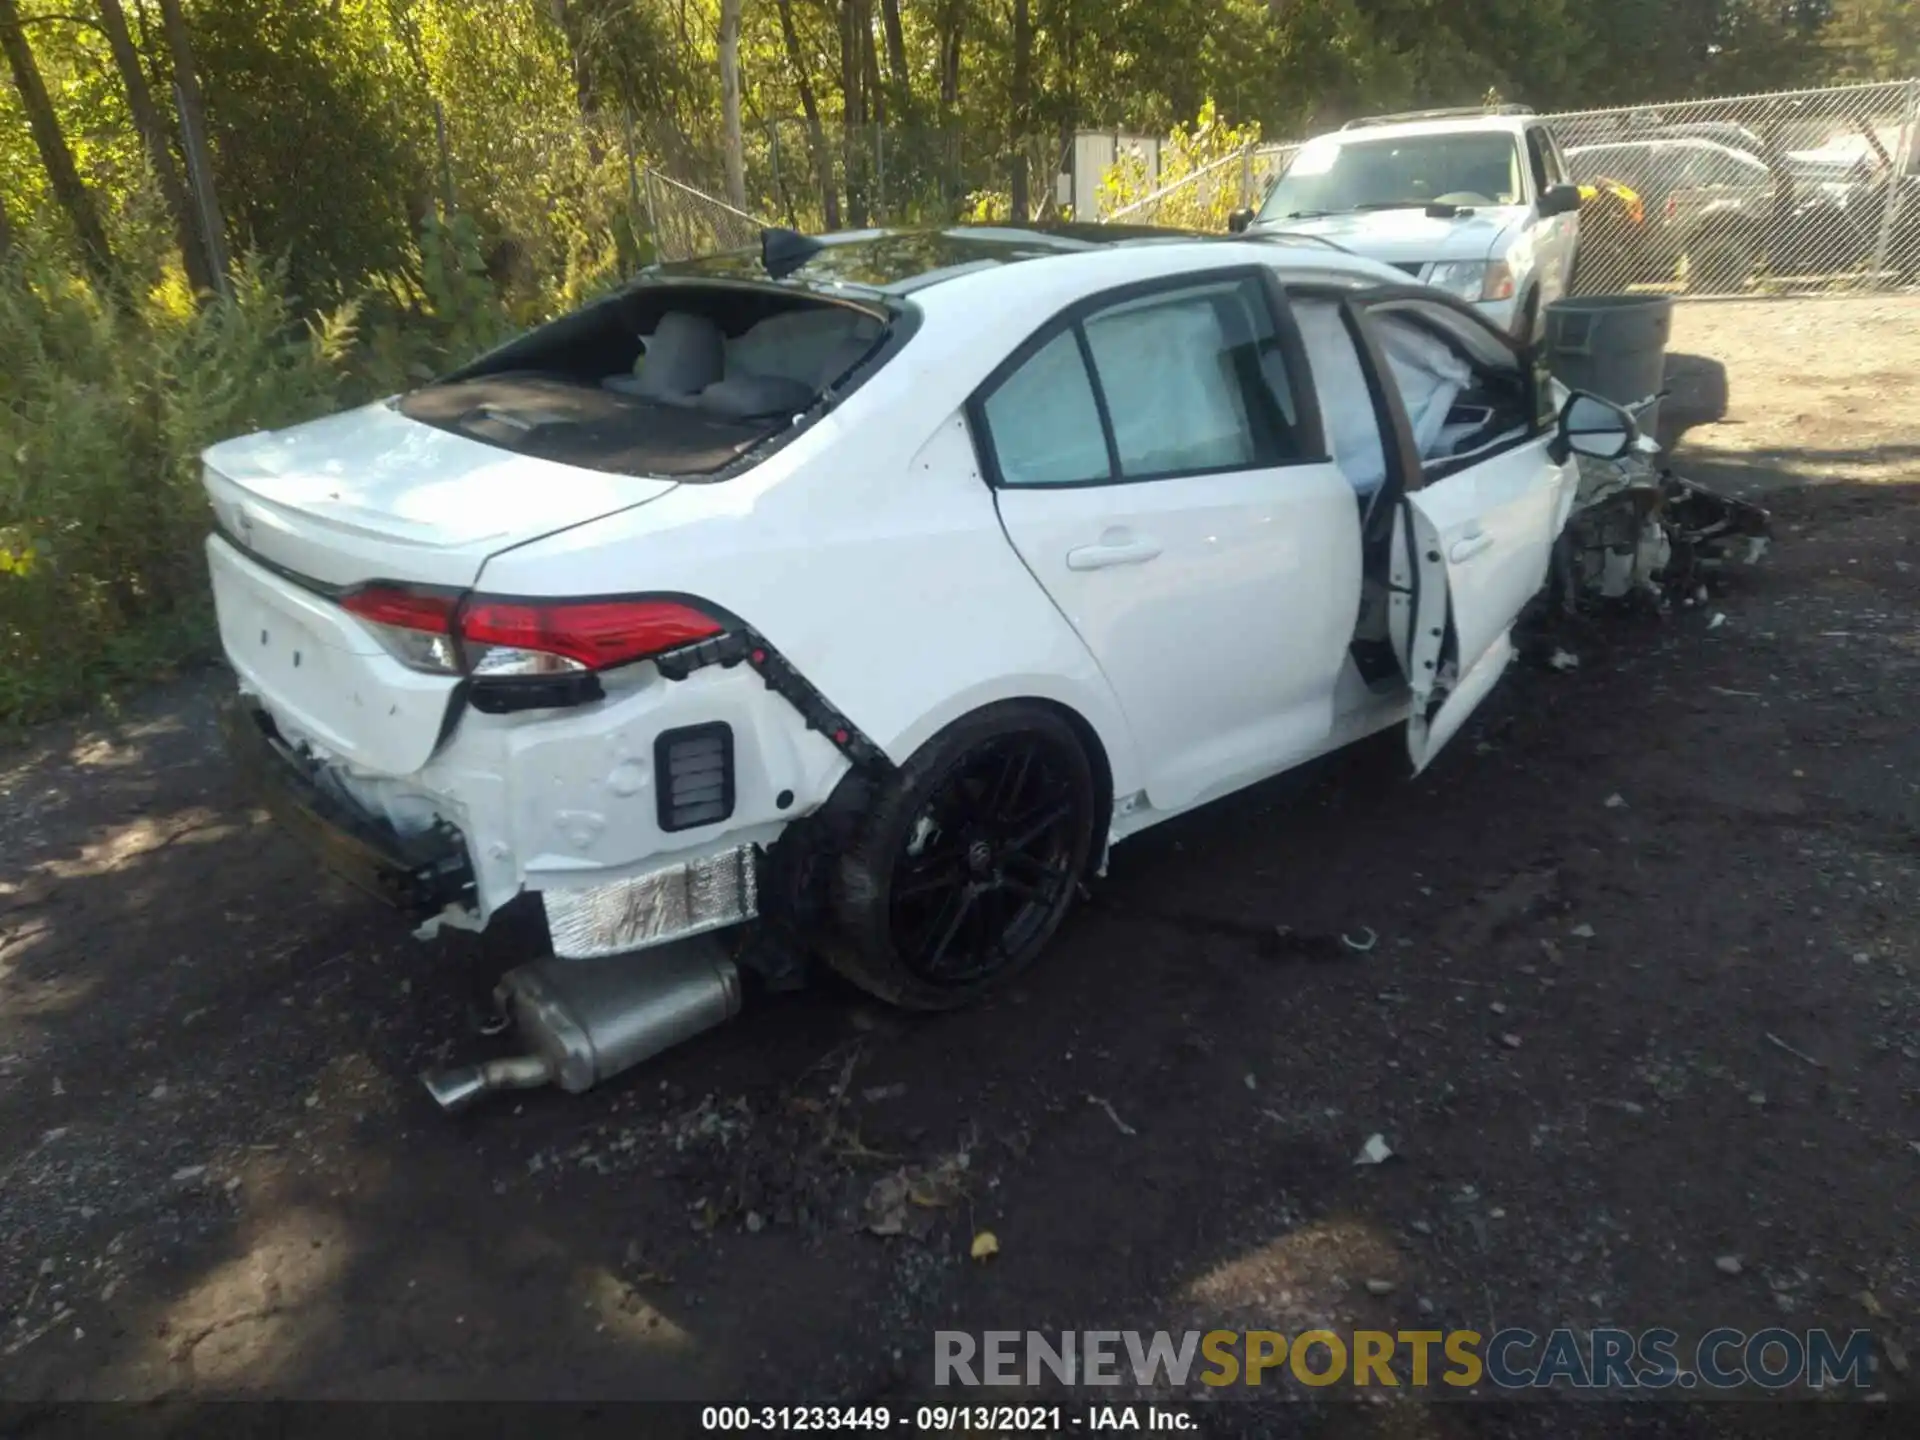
point(415, 624)
point(515, 637)
point(488, 637)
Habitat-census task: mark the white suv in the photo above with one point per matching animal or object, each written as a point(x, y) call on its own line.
point(1477, 202)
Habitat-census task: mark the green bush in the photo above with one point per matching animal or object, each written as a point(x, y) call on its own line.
point(104, 408)
point(1208, 156)
point(106, 402)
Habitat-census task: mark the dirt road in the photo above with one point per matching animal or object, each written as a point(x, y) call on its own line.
point(1641, 1025)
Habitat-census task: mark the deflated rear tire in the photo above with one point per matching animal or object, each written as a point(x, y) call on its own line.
point(966, 860)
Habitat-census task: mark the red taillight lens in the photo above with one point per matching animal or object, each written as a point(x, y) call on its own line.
point(416, 625)
point(434, 631)
point(593, 634)
point(430, 610)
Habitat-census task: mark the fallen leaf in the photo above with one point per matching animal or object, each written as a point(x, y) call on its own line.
point(1374, 1151)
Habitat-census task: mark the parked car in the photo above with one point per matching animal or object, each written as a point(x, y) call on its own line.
point(872, 586)
point(1723, 206)
point(1613, 234)
point(1710, 206)
point(1476, 202)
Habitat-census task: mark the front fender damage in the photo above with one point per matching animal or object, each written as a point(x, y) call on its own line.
point(1639, 533)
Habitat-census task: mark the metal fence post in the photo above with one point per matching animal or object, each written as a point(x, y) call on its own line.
point(1246, 175)
point(880, 174)
point(653, 217)
point(1905, 140)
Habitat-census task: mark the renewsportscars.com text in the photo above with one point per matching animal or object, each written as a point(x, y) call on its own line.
point(1511, 1359)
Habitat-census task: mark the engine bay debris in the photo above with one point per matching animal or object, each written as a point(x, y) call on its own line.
point(1641, 533)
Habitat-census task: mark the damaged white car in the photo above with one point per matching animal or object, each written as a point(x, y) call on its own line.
point(853, 596)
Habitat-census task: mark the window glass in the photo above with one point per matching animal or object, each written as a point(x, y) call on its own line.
point(1622, 163)
point(1043, 422)
point(1193, 380)
point(1730, 167)
point(1698, 166)
point(1334, 174)
point(1556, 160)
point(1346, 405)
point(1537, 158)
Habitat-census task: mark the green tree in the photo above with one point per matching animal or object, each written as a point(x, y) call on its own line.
point(1875, 39)
point(49, 137)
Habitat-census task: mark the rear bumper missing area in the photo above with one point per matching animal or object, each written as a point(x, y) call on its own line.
point(420, 875)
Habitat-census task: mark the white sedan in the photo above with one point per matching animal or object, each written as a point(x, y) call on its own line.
point(869, 587)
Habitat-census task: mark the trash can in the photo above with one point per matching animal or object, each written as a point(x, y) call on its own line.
point(1613, 346)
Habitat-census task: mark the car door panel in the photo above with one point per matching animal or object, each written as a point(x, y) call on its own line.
point(1214, 573)
point(1471, 541)
point(1219, 608)
point(1477, 545)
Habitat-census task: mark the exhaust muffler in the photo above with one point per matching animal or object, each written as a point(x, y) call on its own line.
point(587, 1020)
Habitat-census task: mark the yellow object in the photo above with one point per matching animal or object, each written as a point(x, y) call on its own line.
point(984, 1244)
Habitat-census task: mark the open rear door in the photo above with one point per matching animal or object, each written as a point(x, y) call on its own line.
point(1473, 520)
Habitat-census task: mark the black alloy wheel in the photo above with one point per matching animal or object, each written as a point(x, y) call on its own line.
point(969, 859)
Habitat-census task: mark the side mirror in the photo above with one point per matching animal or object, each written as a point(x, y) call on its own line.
point(1238, 221)
point(1559, 200)
point(1594, 427)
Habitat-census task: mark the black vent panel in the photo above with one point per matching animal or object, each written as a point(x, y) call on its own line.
point(694, 769)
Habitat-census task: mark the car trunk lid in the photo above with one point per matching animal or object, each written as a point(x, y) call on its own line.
point(371, 494)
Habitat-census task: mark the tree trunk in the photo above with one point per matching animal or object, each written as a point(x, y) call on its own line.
point(951, 30)
point(6, 231)
point(62, 174)
point(853, 109)
point(155, 137)
point(730, 103)
point(586, 81)
point(193, 139)
point(1063, 27)
point(1022, 98)
point(816, 132)
point(897, 57)
point(870, 67)
point(578, 59)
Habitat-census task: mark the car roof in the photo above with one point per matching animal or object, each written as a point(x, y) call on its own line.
point(900, 261)
point(1465, 125)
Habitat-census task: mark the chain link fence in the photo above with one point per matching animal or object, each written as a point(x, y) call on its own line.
point(685, 222)
point(848, 177)
point(1770, 193)
point(1801, 190)
point(1203, 199)
point(840, 178)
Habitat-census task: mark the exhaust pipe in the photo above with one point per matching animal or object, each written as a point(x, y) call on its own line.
point(587, 1020)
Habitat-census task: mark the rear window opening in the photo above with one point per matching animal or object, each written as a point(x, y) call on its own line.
point(664, 379)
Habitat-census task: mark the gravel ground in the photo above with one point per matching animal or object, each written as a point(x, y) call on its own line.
point(1642, 1027)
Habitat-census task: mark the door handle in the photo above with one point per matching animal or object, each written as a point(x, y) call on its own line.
point(1106, 555)
point(1468, 546)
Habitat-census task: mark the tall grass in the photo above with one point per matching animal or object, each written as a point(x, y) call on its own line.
point(106, 401)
